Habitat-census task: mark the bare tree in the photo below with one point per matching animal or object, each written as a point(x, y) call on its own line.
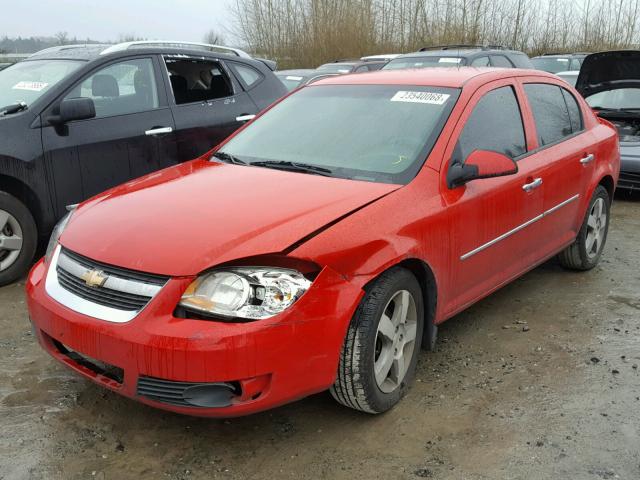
point(213, 37)
point(61, 38)
point(309, 32)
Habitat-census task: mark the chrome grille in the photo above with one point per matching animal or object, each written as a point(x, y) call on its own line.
point(102, 296)
point(99, 290)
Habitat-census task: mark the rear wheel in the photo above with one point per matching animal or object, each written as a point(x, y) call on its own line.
point(18, 238)
point(379, 355)
point(585, 252)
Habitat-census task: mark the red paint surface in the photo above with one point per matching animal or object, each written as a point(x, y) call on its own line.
point(190, 218)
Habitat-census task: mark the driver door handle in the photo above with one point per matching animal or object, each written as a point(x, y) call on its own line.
point(527, 187)
point(158, 131)
point(588, 159)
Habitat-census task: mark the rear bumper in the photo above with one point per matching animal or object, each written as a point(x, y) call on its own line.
point(629, 181)
point(156, 357)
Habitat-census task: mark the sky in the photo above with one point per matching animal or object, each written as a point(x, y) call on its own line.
point(186, 20)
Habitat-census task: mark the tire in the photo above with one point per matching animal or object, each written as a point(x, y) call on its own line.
point(16, 225)
point(366, 347)
point(584, 253)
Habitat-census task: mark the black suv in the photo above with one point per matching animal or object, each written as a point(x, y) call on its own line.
point(460, 56)
point(76, 120)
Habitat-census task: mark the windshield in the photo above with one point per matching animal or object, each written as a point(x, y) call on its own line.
point(619, 99)
point(335, 68)
point(29, 80)
point(424, 62)
point(556, 64)
point(380, 133)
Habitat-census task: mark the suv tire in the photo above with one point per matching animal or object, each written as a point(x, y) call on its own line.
point(18, 235)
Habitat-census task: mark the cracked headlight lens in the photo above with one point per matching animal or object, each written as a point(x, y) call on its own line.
point(252, 293)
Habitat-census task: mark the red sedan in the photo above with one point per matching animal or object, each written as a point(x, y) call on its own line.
point(321, 246)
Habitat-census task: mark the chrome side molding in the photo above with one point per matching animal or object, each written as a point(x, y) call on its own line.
point(519, 227)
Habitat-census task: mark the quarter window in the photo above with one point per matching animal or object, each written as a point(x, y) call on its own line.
point(575, 115)
point(500, 61)
point(550, 112)
point(249, 76)
point(121, 88)
point(480, 62)
point(495, 124)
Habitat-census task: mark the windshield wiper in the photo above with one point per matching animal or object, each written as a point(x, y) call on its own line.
point(293, 167)
point(13, 108)
point(228, 158)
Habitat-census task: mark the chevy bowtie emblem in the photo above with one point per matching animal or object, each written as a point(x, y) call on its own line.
point(94, 278)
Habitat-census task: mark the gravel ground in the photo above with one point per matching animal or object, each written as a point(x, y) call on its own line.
point(538, 381)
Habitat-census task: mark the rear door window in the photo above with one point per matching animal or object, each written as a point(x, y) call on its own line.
point(196, 80)
point(495, 124)
point(550, 112)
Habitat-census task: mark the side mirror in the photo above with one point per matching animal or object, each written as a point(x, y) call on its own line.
point(74, 109)
point(480, 164)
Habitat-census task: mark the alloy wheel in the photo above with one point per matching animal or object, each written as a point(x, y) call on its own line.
point(596, 228)
point(395, 341)
point(11, 240)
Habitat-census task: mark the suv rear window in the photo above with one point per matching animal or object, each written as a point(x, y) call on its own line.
point(550, 112)
point(495, 124)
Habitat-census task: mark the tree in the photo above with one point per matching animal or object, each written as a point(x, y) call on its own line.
point(213, 37)
point(61, 38)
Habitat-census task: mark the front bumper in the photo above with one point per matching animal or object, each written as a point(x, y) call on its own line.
point(267, 363)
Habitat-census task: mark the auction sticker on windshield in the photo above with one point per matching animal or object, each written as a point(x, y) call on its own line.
point(31, 86)
point(421, 97)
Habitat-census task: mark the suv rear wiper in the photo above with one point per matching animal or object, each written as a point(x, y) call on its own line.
point(228, 158)
point(13, 108)
point(293, 167)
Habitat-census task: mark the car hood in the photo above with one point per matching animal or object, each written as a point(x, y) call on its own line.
point(189, 218)
point(609, 71)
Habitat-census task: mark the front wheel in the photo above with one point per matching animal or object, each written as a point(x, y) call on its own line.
point(585, 252)
point(379, 354)
point(18, 238)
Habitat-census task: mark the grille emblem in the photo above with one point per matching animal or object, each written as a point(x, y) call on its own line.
point(94, 278)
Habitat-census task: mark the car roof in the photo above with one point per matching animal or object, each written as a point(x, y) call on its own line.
point(561, 55)
point(456, 52)
point(295, 71)
point(435, 77)
point(91, 52)
point(69, 52)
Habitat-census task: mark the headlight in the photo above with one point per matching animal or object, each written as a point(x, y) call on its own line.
point(57, 231)
point(245, 292)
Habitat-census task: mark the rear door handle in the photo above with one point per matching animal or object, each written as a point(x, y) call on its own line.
point(245, 118)
point(588, 159)
point(527, 187)
point(158, 131)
